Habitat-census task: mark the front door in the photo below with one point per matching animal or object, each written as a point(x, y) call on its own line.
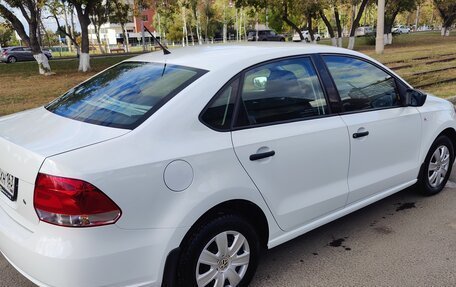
point(384, 136)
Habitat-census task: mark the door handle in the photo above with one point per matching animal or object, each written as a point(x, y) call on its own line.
point(262, 155)
point(360, 134)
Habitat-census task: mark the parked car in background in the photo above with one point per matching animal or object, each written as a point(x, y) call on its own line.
point(306, 35)
point(19, 54)
point(401, 29)
point(364, 31)
point(265, 35)
point(267, 142)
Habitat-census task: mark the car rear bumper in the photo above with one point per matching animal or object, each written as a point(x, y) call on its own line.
point(70, 257)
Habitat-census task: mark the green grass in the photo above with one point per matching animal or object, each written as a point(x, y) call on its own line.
point(22, 88)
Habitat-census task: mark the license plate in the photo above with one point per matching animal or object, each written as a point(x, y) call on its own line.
point(8, 185)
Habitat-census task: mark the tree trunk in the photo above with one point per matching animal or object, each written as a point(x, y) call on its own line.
point(309, 26)
point(289, 22)
point(84, 57)
point(67, 29)
point(351, 43)
point(16, 23)
point(338, 26)
point(125, 37)
point(97, 33)
point(339, 42)
point(198, 33)
point(43, 64)
point(389, 23)
point(329, 27)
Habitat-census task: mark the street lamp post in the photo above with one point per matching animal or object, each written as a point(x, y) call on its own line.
point(380, 41)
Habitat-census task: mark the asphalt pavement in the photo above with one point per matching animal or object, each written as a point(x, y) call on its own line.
point(403, 240)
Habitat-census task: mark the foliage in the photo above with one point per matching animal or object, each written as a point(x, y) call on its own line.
point(6, 34)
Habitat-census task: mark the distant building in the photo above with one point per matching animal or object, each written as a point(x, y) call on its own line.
point(147, 16)
point(111, 33)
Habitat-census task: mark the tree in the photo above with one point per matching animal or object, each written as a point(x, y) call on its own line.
point(119, 13)
point(357, 18)
point(6, 34)
point(57, 8)
point(84, 8)
point(392, 9)
point(447, 11)
point(30, 10)
point(98, 18)
point(285, 8)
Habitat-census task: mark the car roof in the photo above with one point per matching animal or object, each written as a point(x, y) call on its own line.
point(242, 55)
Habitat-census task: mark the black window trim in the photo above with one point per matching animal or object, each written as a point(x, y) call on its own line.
point(400, 84)
point(235, 92)
point(155, 108)
point(240, 76)
point(241, 83)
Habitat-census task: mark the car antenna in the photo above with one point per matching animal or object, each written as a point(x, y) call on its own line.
point(165, 50)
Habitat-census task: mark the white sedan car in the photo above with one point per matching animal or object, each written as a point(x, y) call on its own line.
point(180, 169)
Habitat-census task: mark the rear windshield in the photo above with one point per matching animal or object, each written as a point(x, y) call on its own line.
point(124, 95)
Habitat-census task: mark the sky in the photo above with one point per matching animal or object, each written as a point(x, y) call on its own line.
point(48, 23)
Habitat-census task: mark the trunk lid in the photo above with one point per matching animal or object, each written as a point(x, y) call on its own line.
point(26, 139)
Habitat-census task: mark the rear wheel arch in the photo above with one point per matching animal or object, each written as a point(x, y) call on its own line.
point(245, 209)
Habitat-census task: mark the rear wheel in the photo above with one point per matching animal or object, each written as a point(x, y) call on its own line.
point(437, 166)
point(222, 252)
point(12, 59)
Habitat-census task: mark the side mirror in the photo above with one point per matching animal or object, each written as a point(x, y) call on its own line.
point(414, 98)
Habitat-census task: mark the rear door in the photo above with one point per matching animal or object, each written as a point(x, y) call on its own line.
point(385, 136)
point(293, 148)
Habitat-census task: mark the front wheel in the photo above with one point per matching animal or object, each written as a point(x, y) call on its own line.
point(221, 252)
point(437, 166)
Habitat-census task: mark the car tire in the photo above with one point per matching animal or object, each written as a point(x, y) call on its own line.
point(282, 39)
point(440, 157)
point(203, 243)
point(11, 60)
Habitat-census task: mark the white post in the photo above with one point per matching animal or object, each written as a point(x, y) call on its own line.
point(379, 43)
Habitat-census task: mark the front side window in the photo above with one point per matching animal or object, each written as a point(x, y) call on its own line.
point(361, 85)
point(285, 90)
point(124, 95)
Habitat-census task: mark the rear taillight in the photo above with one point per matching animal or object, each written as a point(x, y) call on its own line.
point(72, 202)
point(4, 53)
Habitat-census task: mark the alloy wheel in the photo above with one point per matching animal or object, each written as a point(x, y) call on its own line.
point(438, 166)
point(224, 260)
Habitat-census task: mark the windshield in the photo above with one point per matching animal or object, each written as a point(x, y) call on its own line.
point(124, 95)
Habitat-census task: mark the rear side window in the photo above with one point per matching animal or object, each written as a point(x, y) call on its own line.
point(361, 85)
point(219, 113)
point(280, 91)
point(125, 95)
